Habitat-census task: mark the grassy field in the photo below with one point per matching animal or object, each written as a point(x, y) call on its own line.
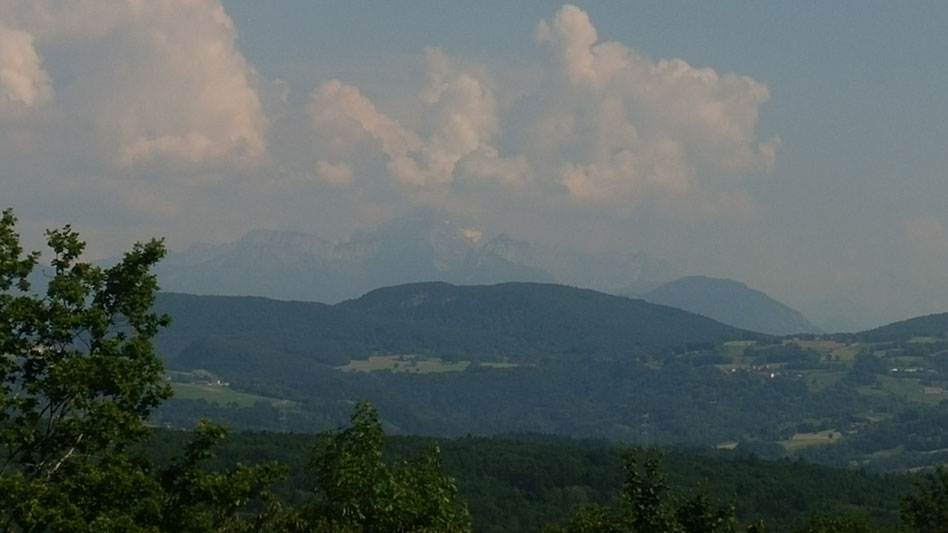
point(925, 340)
point(911, 390)
point(414, 364)
point(821, 379)
point(498, 364)
point(217, 394)
point(735, 349)
point(820, 345)
point(817, 438)
point(846, 353)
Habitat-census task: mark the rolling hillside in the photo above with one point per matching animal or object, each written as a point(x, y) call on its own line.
point(440, 359)
point(514, 322)
point(924, 326)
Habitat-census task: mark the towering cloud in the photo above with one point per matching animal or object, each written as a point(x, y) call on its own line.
point(460, 116)
point(149, 107)
point(23, 81)
point(344, 120)
point(580, 59)
point(458, 122)
point(606, 127)
point(156, 81)
point(622, 128)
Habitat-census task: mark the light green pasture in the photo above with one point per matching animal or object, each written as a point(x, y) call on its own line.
point(912, 390)
point(817, 438)
point(217, 394)
point(414, 364)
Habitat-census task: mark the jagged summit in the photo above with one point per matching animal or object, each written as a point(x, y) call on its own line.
point(424, 244)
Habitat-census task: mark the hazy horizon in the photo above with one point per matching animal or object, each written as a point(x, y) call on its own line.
point(798, 148)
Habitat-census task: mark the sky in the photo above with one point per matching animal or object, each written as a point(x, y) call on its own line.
point(799, 147)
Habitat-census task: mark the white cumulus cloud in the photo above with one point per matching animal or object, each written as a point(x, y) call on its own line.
point(339, 174)
point(156, 81)
point(606, 127)
point(454, 141)
point(23, 81)
point(620, 128)
point(583, 60)
point(128, 107)
point(344, 118)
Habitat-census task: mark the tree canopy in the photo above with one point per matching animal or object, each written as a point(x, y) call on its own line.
point(357, 490)
point(78, 380)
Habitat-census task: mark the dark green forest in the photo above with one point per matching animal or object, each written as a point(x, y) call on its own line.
point(524, 482)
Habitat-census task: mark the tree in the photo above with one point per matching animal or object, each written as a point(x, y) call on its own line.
point(196, 500)
point(927, 511)
point(356, 490)
point(838, 524)
point(78, 379)
point(78, 376)
point(646, 507)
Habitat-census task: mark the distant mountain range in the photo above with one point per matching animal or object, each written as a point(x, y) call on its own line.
point(424, 245)
point(432, 245)
point(733, 303)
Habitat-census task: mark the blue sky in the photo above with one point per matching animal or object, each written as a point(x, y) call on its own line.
point(798, 147)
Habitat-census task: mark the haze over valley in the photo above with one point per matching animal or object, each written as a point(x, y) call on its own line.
point(473, 266)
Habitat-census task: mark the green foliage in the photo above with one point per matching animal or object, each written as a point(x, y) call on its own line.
point(78, 380)
point(196, 500)
point(839, 524)
point(78, 376)
point(927, 511)
point(520, 484)
point(646, 507)
point(356, 490)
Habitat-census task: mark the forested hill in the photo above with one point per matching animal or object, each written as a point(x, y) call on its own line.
point(924, 326)
point(447, 360)
point(550, 318)
point(514, 322)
